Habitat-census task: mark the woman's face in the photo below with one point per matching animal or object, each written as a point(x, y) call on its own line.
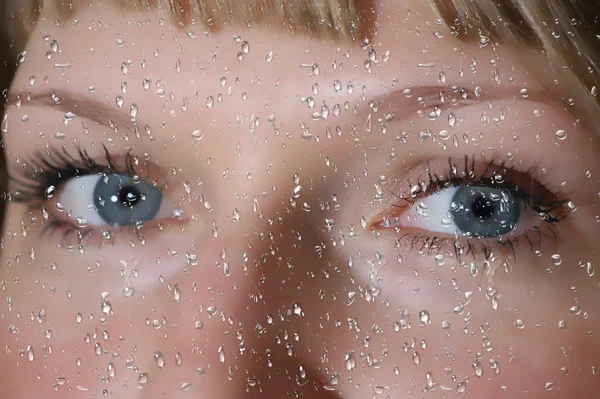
point(254, 214)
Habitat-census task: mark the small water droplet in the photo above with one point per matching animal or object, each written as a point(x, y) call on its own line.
point(4, 126)
point(350, 361)
point(589, 268)
point(30, 354)
point(424, 317)
point(159, 359)
point(562, 324)
point(143, 379)
point(269, 56)
point(560, 134)
point(478, 368)
point(197, 135)
point(186, 386)
point(416, 358)
point(111, 370)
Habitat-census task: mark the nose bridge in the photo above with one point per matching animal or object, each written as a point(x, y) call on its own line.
point(243, 317)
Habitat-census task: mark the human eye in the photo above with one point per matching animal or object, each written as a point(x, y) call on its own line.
point(474, 205)
point(81, 196)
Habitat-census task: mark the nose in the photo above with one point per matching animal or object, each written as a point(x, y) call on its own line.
point(247, 314)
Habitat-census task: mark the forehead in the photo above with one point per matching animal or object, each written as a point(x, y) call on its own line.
point(116, 48)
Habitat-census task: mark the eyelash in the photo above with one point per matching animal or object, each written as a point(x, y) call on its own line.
point(50, 170)
point(57, 166)
point(496, 176)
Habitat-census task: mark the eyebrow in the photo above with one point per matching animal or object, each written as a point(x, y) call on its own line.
point(83, 107)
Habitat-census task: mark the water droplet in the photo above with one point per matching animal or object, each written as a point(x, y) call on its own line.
point(4, 126)
point(186, 386)
point(560, 134)
point(478, 368)
point(269, 56)
point(429, 381)
point(159, 359)
point(59, 136)
point(416, 358)
point(451, 119)
point(562, 324)
point(245, 47)
point(589, 268)
point(424, 317)
point(111, 370)
point(197, 135)
point(221, 352)
point(337, 86)
point(548, 386)
point(49, 192)
point(297, 309)
point(69, 116)
point(143, 379)
point(133, 112)
point(442, 77)
point(297, 192)
point(30, 354)
point(22, 56)
point(350, 361)
point(520, 324)
point(556, 259)
point(54, 46)
point(315, 69)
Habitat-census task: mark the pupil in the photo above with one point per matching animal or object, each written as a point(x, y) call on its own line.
point(483, 208)
point(129, 196)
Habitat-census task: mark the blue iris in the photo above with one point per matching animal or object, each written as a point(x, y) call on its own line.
point(121, 201)
point(485, 211)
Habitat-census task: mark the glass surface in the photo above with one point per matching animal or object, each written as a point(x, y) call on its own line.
point(245, 212)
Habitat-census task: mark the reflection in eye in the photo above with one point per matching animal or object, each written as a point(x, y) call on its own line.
point(116, 199)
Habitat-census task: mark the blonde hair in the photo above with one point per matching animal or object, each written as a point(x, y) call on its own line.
point(565, 31)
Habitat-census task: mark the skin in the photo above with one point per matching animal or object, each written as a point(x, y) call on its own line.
point(281, 257)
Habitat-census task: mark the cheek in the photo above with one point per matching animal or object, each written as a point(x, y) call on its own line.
point(479, 321)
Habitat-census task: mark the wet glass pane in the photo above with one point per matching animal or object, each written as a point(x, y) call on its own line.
point(299, 199)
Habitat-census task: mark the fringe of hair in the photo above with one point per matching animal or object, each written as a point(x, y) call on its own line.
point(567, 32)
